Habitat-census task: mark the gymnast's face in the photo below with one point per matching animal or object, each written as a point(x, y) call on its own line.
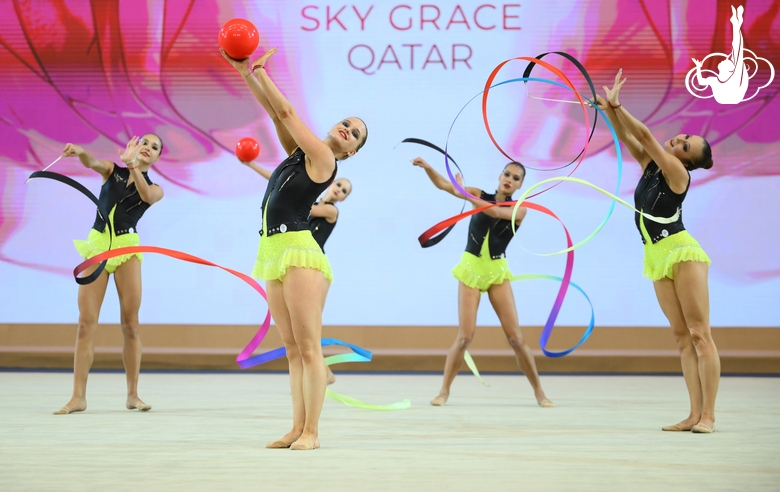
point(511, 179)
point(347, 136)
point(340, 189)
point(149, 149)
point(685, 147)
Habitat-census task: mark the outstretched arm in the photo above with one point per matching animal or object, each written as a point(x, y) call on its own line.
point(319, 154)
point(440, 181)
point(633, 145)
point(258, 169)
point(288, 143)
point(102, 167)
point(673, 169)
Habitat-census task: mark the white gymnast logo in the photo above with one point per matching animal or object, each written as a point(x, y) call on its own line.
point(730, 84)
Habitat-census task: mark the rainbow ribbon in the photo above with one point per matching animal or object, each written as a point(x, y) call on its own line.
point(566, 279)
point(244, 358)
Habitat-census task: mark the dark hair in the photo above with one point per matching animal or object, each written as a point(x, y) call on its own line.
point(704, 161)
point(365, 137)
point(515, 163)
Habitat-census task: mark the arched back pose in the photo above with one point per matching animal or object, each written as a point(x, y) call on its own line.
point(288, 258)
point(322, 221)
point(731, 84)
point(127, 193)
point(483, 268)
point(674, 261)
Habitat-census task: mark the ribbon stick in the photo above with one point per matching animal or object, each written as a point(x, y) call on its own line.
point(44, 169)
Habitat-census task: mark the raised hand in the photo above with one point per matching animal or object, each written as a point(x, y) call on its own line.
point(240, 65)
point(602, 103)
point(260, 62)
point(420, 162)
point(459, 180)
point(72, 150)
point(612, 94)
point(128, 155)
point(696, 62)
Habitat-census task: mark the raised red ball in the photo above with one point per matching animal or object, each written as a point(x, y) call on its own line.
point(247, 149)
point(239, 38)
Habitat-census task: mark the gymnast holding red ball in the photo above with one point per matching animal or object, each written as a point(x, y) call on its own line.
point(289, 258)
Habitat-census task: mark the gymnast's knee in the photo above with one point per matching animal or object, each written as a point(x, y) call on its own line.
point(516, 342)
point(464, 341)
point(702, 339)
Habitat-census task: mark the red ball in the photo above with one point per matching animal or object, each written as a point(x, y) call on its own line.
point(247, 149)
point(239, 38)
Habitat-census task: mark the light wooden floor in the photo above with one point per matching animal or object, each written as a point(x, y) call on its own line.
point(207, 432)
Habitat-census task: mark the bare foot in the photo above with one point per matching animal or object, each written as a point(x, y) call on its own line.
point(286, 440)
point(683, 426)
point(440, 400)
point(72, 406)
point(331, 376)
point(306, 442)
point(134, 402)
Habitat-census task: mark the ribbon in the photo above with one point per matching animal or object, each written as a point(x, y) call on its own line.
point(358, 354)
point(433, 241)
point(566, 279)
point(545, 336)
point(245, 358)
point(100, 208)
point(473, 367)
point(581, 68)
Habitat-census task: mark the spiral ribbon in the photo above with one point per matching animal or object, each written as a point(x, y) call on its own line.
point(245, 358)
point(449, 223)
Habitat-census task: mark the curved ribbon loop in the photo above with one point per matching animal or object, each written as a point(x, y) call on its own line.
point(433, 241)
point(581, 68)
point(449, 223)
point(244, 358)
point(88, 279)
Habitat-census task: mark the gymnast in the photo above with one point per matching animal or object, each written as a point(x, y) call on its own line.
point(483, 268)
point(127, 192)
point(289, 258)
point(322, 220)
point(674, 260)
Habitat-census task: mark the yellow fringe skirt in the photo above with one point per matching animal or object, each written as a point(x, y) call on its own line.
point(661, 257)
point(481, 272)
point(97, 242)
point(277, 253)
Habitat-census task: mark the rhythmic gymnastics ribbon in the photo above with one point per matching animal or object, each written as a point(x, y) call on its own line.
point(527, 73)
point(433, 241)
point(100, 208)
point(244, 359)
point(566, 279)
